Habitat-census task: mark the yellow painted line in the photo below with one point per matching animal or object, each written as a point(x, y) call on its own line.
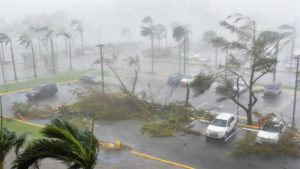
point(28, 89)
point(15, 91)
point(161, 160)
point(249, 126)
point(25, 122)
point(67, 82)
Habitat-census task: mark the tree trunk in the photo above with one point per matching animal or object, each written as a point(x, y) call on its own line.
point(39, 46)
point(2, 69)
point(249, 117)
point(1, 164)
point(152, 55)
point(66, 46)
point(226, 64)
point(33, 61)
point(82, 45)
point(3, 54)
point(184, 55)
point(13, 61)
point(187, 95)
point(275, 65)
point(52, 54)
point(70, 55)
point(216, 56)
point(179, 57)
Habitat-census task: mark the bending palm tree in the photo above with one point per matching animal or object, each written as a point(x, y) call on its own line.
point(27, 41)
point(68, 41)
point(47, 35)
point(149, 31)
point(8, 140)
point(77, 148)
point(179, 32)
point(77, 26)
point(7, 39)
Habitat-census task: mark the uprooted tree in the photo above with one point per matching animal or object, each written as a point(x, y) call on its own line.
point(256, 48)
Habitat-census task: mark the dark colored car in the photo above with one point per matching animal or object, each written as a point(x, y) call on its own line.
point(175, 79)
point(42, 91)
point(89, 79)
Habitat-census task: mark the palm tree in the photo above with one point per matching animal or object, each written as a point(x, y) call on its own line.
point(179, 33)
point(47, 35)
point(26, 40)
point(8, 140)
point(160, 33)
point(68, 41)
point(77, 148)
point(6, 39)
point(208, 36)
point(77, 26)
point(222, 42)
point(125, 32)
point(149, 31)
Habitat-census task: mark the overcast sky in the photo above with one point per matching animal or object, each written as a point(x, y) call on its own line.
point(112, 15)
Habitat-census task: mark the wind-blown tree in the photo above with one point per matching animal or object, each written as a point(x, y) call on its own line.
point(77, 26)
point(26, 40)
point(67, 38)
point(8, 140)
point(259, 50)
point(208, 36)
point(149, 31)
point(47, 35)
point(77, 148)
point(6, 39)
point(160, 33)
point(126, 33)
point(292, 29)
point(221, 42)
point(179, 34)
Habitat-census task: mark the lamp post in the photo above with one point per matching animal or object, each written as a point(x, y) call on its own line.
point(100, 46)
point(295, 90)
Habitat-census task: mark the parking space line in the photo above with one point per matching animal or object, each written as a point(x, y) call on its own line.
point(161, 160)
point(233, 133)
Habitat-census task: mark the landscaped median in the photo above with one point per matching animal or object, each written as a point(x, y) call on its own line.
point(28, 84)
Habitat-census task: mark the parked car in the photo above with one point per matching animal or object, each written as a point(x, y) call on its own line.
point(187, 79)
point(272, 89)
point(89, 79)
point(242, 87)
point(221, 126)
point(271, 131)
point(175, 79)
point(42, 91)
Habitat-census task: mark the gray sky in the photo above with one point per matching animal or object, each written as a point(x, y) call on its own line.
point(112, 15)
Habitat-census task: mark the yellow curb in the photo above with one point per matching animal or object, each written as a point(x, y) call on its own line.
point(161, 160)
point(249, 126)
point(15, 91)
point(28, 89)
point(25, 122)
point(67, 82)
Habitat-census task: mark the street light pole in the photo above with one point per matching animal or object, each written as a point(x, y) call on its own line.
point(295, 90)
point(100, 46)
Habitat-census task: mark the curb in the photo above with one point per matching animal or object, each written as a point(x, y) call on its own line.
point(161, 160)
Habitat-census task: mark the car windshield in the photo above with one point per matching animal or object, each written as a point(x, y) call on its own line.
point(219, 122)
point(274, 128)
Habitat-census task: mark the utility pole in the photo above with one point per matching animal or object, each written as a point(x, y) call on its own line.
point(295, 90)
point(100, 46)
